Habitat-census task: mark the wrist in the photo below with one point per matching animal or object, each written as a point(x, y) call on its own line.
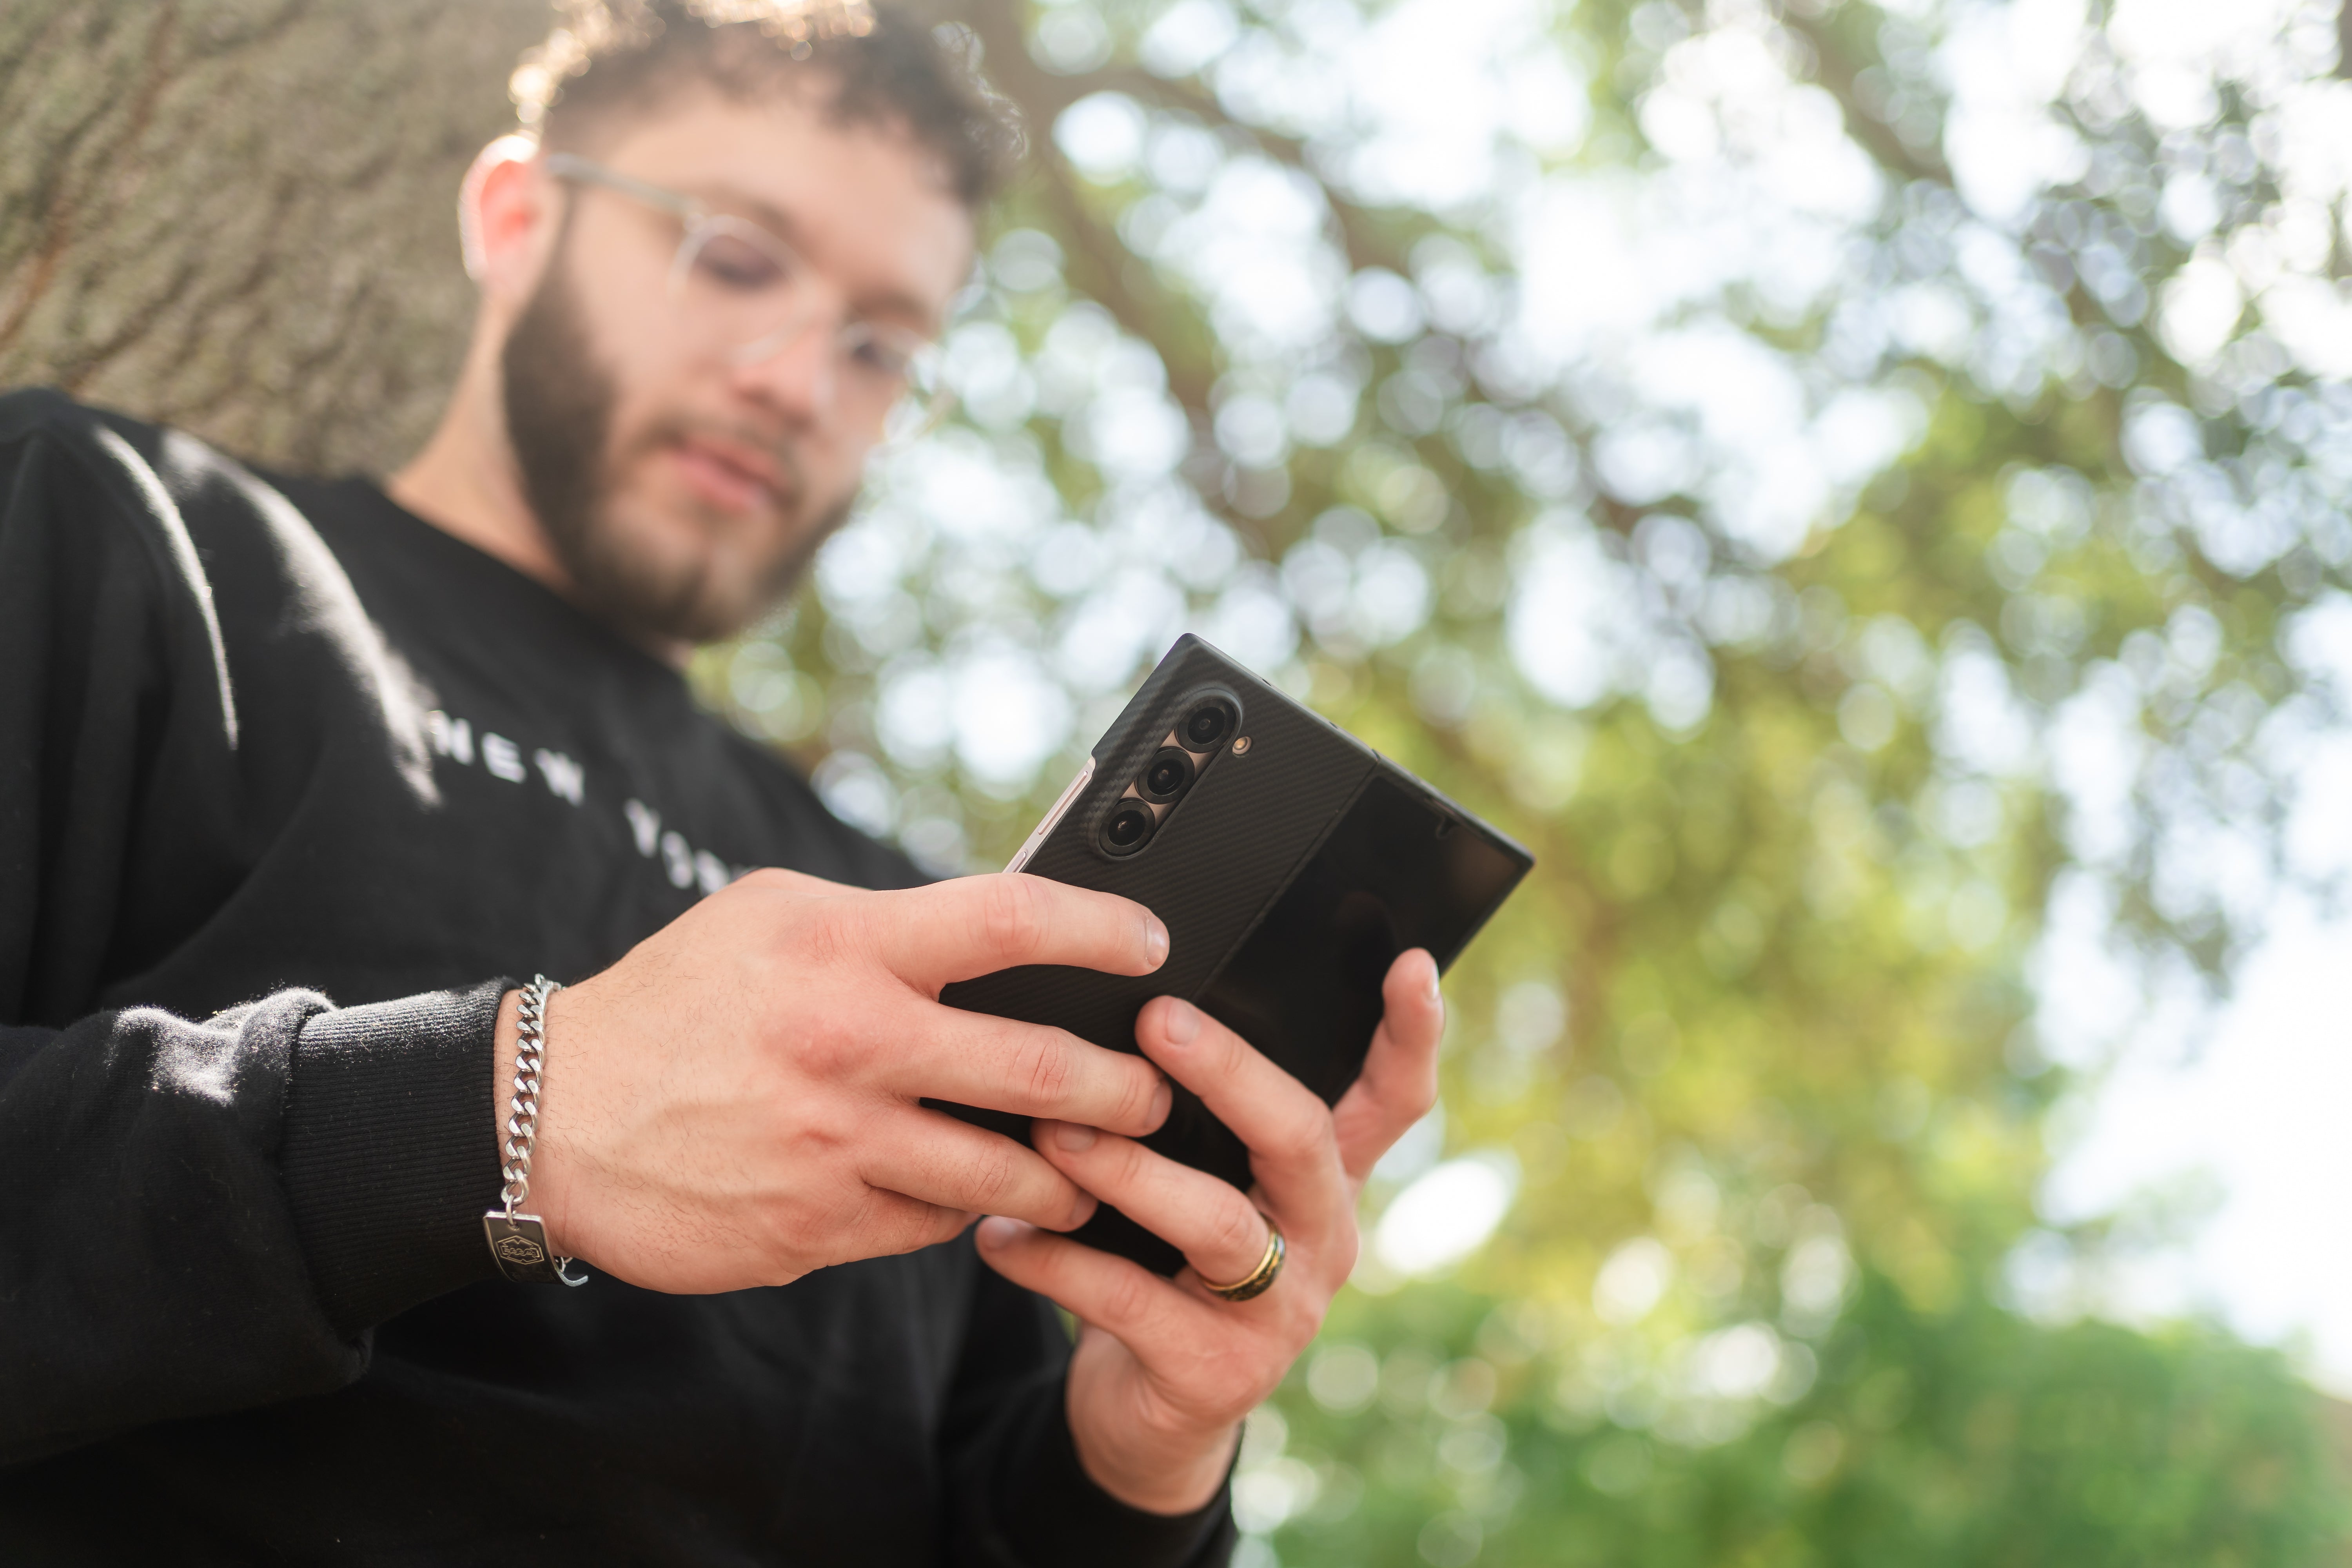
point(1157, 1472)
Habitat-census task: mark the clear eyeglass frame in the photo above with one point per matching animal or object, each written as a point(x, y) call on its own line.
point(720, 254)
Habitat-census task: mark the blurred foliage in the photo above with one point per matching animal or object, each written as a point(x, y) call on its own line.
point(1860, 490)
point(1966, 1435)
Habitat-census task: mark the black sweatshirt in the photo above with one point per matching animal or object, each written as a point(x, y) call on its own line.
point(292, 786)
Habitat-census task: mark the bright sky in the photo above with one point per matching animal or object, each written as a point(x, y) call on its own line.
point(2258, 1115)
point(2220, 1131)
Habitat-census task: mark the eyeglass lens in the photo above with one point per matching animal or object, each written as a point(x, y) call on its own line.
point(740, 288)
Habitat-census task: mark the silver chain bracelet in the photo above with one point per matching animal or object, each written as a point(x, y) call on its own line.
point(518, 1241)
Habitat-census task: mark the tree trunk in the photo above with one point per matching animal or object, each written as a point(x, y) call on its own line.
point(239, 215)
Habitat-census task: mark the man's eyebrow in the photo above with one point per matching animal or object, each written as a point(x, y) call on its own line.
point(884, 303)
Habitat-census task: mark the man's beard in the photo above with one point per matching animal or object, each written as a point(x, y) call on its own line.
point(558, 403)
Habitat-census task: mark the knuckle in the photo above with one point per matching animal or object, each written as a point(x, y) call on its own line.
point(1134, 1164)
point(1141, 1091)
point(994, 1175)
point(830, 1050)
point(1012, 915)
point(1124, 1298)
point(1045, 1064)
point(1239, 1228)
point(1301, 1134)
point(831, 1138)
point(809, 937)
point(1238, 1063)
point(819, 947)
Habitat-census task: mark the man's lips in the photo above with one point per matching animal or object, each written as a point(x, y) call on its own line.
point(728, 476)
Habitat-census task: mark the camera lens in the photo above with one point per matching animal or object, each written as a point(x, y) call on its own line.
point(1207, 724)
point(1170, 771)
point(1129, 826)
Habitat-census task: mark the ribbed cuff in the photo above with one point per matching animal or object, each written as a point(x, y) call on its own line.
point(1055, 1513)
point(390, 1153)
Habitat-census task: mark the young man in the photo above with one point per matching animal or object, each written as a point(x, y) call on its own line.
point(264, 745)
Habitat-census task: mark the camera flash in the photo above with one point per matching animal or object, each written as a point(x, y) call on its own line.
point(1241, 747)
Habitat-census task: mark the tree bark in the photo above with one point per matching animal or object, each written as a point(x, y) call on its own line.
point(239, 215)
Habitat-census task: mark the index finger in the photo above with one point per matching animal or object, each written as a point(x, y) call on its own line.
point(977, 925)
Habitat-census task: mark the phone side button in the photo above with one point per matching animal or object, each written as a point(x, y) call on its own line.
point(1053, 818)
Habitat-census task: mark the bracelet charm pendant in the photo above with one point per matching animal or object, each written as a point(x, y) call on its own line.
point(519, 1243)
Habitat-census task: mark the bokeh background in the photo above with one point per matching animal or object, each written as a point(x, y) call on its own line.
point(1860, 489)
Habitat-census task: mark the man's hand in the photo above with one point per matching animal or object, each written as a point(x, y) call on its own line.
point(1164, 1371)
point(735, 1102)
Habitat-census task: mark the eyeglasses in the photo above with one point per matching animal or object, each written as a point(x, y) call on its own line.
point(739, 288)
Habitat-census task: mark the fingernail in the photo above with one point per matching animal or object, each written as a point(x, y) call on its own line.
point(1074, 1137)
point(996, 1231)
point(1155, 940)
point(1162, 1102)
point(1433, 984)
point(1182, 1023)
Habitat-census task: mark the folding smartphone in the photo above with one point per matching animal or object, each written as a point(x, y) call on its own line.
point(1290, 863)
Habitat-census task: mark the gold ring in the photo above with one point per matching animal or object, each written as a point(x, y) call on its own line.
point(1259, 1278)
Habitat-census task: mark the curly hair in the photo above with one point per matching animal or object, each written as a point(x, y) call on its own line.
point(608, 60)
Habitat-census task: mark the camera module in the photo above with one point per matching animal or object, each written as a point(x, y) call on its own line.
point(1168, 776)
point(1207, 724)
point(1129, 826)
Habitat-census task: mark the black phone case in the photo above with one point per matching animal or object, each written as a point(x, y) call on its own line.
point(1289, 875)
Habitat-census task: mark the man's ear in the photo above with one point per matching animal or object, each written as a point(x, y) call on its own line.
point(503, 216)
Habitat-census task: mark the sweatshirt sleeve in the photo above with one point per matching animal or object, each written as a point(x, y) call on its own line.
point(1022, 1498)
point(195, 1216)
point(204, 1217)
